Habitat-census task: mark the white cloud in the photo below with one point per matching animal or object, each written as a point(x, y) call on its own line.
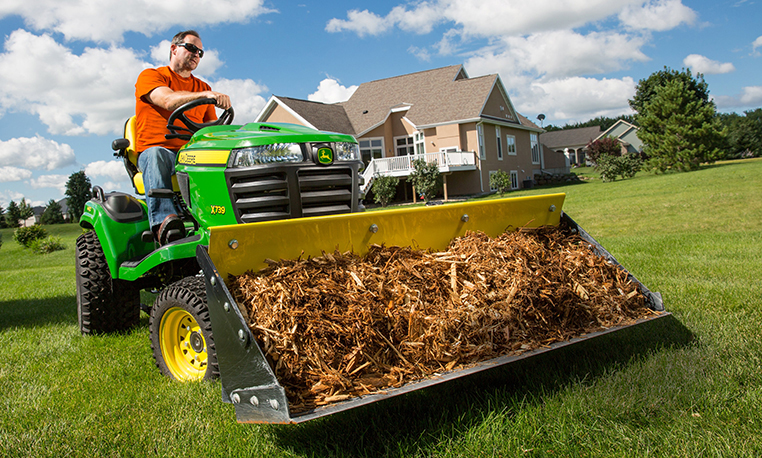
point(701, 64)
point(50, 181)
point(244, 95)
point(111, 170)
point(579, 98)
point(35, 153)
point(657, 15)
point(756, 44)
point(331, 91)
point(751, 96)
point(10, 174)
point(107, 20)
point(89, 93)
point(361, 22)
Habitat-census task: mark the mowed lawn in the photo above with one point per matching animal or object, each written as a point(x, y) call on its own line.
point(687, 385)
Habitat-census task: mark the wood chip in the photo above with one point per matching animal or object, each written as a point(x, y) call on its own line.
point(400, 314)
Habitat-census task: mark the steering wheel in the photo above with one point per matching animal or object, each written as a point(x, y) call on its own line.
point(192, 127)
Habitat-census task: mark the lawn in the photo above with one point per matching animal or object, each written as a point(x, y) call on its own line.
point(688, 385)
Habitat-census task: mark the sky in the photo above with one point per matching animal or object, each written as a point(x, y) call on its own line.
point(68, 68)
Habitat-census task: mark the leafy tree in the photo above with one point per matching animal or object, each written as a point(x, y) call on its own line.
point(679, 128)
point(78, 192)
point(646, 89)
point(744, 133)
point(25, 210)
point(501, 181)
point(425, 178)
point(2, 217)
point(52, 214)
point(384, 189)
point(602, 147)
point(12, 215)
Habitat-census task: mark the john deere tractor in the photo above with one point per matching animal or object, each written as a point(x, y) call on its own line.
point(226, 175)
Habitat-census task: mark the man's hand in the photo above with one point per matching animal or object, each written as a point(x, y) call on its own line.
point(223, 100)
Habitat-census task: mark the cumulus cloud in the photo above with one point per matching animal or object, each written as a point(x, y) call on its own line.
point(756, 44)
point(106, 21)
point(73, 94)
point(36, 153)
point(245, 95)
point(57, 182)
point(658, 15)
point(9, 174)
point(331, 91)
point(701, 64)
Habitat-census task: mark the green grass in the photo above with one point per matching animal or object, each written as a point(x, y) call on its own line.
point(688, 385)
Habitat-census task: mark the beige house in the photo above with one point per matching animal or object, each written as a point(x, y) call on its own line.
point(468, 126)
point(571, 142)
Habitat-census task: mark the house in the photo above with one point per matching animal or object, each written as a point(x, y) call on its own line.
point(626, 134)
point(571, 142)
point(468, 126)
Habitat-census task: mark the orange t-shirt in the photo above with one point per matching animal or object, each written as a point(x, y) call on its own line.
point(151, 122)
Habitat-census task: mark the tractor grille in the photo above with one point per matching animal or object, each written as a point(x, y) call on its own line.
point(282, 192)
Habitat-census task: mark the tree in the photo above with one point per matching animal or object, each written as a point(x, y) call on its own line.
point(744, 133)
point(501, 181)
point(78, 192)
point(425, 178)
point(26, 211)
point(2, 217)
point(646, 88)
point(12, 215)
point(384, 189)
point(603, 147)
point(678, 127)
point(52, 214)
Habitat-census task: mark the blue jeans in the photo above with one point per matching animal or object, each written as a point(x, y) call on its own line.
point(158, 166)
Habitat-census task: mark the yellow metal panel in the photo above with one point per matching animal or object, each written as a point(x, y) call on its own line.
point(203, 157)
point(422, 227)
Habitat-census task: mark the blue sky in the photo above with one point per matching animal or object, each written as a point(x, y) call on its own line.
point(67, 69)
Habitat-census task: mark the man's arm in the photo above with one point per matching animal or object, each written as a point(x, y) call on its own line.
point(170, 100)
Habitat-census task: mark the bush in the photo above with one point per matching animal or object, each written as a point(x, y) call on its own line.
point(501, 181)
point(625, 166)
point(26, 235)
point(47, 245)
point(425, 178)
point(384, 189)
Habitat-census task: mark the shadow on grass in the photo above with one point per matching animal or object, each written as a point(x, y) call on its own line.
point(417, 421)
point(30, 313)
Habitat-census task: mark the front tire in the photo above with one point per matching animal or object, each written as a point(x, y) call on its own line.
point(181, 332)
point(104, 305)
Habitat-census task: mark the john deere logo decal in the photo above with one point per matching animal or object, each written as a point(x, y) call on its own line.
point(325, 156)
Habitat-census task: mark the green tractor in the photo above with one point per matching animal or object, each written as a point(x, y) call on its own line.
point(226, 175)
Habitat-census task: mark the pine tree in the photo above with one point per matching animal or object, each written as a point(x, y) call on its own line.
point(679, 128)
point(12, 215)
point(26, 211)
point(52, 214)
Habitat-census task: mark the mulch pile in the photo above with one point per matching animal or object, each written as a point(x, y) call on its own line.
point(340, 325)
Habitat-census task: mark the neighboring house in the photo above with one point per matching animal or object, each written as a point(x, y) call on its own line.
point(571, 142)
point(467, 125)
point(626, 134)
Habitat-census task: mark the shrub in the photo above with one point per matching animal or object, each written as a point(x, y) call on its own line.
point(501, 181)
point(625, 166)
point(384, 189)
point(26, 235)
point(47, 245)
point(425, 178)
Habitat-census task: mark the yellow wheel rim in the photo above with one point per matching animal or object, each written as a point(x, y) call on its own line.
point(182, 345)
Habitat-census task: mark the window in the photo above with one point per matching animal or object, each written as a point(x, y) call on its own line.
point(535, 149)
point(499, 144)
point(510, 140)
point(480, 134)
point(514, 179)
point(372, 148)
point(404, 146)
point(420, 143)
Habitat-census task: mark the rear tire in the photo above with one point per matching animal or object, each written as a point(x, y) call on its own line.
point(104, 305)
point(181, 332)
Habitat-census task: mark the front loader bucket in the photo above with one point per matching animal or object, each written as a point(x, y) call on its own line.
point(249, 383)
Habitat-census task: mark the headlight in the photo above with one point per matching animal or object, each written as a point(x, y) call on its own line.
point(267, 154)
point(347, 152)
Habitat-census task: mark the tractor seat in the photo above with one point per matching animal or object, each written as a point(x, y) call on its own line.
point(125, 148)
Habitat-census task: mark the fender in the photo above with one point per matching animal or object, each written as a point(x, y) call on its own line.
point(118, 219)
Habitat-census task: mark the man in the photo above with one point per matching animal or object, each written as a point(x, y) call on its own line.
point(158, 92)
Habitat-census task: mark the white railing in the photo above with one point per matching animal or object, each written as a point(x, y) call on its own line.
point(401, 166)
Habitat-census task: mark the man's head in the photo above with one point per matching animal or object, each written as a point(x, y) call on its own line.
point(186, 51)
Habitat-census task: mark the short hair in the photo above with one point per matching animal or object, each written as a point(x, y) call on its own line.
point(180, 37)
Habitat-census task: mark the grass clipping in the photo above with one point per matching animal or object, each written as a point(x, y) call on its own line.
point(340, 325)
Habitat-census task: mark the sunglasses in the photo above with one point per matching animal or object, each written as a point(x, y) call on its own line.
point(193, 49)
